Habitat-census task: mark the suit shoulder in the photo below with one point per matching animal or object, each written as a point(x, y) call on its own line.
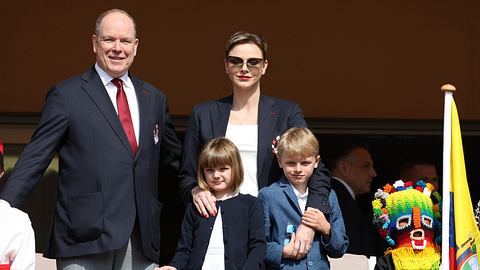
point(247, 198)
point(211, 104)
point(268, 190)
point(337, 185)
point(68, 84)
point(206, 105)
point(280, 101)
point(147, 86)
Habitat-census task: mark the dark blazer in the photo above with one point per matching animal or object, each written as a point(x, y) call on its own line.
point(210, 119)
point(281, 208)
point(358, 231)
point(102, 188)
point(243, 235)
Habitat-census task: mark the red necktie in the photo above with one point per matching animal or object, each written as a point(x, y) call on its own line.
point(124, 114)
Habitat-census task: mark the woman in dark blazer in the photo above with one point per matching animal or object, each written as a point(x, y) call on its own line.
point(245, 64)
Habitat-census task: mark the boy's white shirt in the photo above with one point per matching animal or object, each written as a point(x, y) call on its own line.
point(17, 239)
point(301, 197)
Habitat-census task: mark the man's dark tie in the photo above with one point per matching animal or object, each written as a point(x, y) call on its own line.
point(124, 114)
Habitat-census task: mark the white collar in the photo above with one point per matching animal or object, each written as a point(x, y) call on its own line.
point(229, 196)
point(349, 189)
point(106, 78)
point(298, 194)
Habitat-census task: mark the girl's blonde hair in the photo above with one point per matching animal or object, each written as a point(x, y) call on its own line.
point(216, 154)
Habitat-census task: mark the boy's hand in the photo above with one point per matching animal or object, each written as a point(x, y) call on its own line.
point(291, 251)
point(304, 239)
point(315, 219)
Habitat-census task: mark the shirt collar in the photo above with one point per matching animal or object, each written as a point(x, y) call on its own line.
point(349, 189)
point(106, 78)
point(298, 194)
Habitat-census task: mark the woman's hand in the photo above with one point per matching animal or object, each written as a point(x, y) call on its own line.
point(204, 202)
point(166, 267)
point(315, 219)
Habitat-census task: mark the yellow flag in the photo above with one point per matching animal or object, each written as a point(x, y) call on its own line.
point(466, 242)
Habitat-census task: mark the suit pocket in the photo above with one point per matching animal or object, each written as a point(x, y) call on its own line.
point(85, 212)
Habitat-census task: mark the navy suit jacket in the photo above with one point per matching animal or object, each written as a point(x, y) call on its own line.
point(210, 119)
point(358, 231)
point(103, 188)
point(280, 208)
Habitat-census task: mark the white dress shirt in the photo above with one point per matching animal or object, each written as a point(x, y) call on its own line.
point(301, 197)
point(129, 92)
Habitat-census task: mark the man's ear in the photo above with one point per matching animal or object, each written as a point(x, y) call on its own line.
point(94, 43)
point(343, 167)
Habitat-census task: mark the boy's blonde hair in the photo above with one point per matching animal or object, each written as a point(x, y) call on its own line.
point(216, 154)
point(298, 141)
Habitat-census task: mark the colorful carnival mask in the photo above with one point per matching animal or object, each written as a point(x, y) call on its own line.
point(408, 218)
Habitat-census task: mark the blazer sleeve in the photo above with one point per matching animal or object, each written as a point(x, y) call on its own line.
point(319, 188)
point(274, 250)
point(171, 147)
point(191, 149)
point(256, 238)
point(338, 242)
point(185, 243)
point(38, 154)
point(319, 183)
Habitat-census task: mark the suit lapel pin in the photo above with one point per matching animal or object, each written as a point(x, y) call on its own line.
point(155, 134)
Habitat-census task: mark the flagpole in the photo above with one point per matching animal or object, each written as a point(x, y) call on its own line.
point(448, 89)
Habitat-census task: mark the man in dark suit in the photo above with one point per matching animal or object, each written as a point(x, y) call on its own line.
point(352, 175)
point(112, 133)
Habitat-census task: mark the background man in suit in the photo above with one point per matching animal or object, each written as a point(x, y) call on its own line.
point(112, 133)
point(352, 175)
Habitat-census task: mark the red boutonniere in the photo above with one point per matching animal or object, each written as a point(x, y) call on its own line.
point(275, 144)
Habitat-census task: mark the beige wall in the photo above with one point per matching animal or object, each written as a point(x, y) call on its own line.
point(366, 59)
